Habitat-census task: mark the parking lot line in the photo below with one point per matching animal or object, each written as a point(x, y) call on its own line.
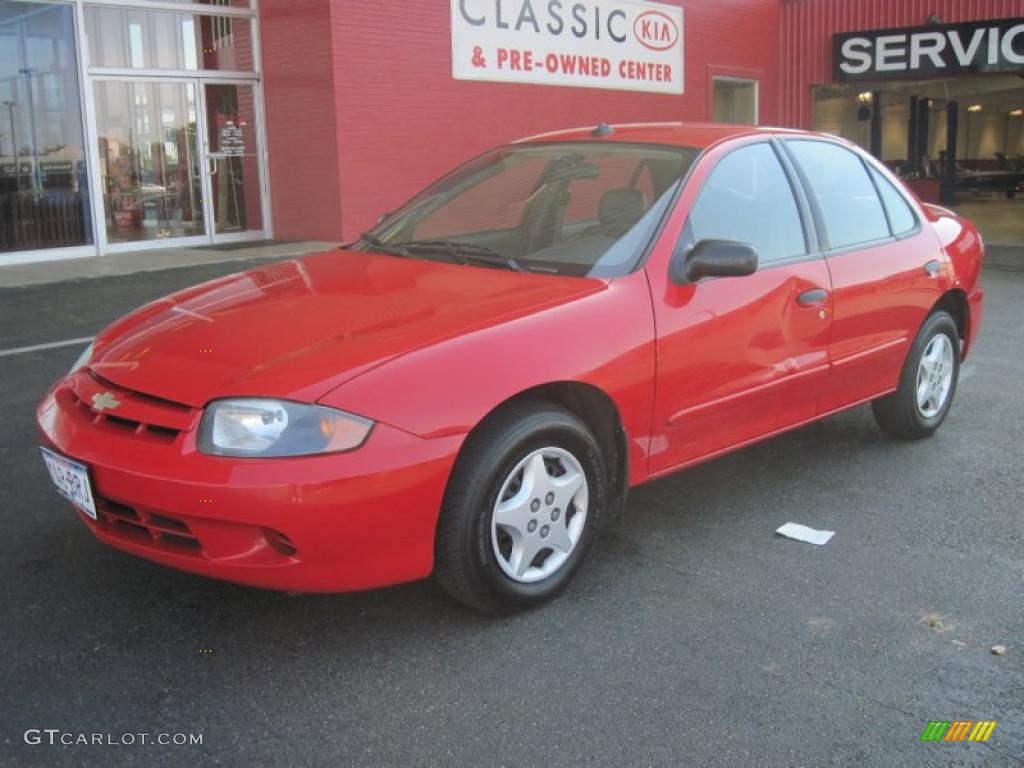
point(49, 345)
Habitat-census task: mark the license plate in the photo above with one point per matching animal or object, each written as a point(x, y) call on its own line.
point(71, 480)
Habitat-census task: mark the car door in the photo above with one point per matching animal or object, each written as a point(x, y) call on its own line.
point(886, 267)
point(740, 357)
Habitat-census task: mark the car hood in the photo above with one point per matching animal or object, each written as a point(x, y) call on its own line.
point(299, 328)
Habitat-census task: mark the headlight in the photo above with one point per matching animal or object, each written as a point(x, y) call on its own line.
point(83, 359)
point(263, 428)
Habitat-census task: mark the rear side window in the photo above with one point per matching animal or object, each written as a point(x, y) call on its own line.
point(901, 217)
point(841, 186)
point(748, 198)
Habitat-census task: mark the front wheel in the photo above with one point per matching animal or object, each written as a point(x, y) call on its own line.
point(927, 382)
point(522, 509)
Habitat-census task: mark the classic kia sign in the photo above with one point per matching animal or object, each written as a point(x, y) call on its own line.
point(935, 50)
point(622, 44)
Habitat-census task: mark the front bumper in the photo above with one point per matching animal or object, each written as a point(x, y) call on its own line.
point(328, 523)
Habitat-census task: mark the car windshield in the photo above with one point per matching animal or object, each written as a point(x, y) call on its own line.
point(573, 208)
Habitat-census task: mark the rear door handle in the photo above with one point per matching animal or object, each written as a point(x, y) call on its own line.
point(932, 268)
point(812, 298)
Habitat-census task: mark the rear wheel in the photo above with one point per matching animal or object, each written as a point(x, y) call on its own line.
point(522, 509)
point(927, 382)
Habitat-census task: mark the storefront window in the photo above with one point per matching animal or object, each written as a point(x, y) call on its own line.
point(223, 3)
point(135, 38)
point(149, 159)
point(44, 195)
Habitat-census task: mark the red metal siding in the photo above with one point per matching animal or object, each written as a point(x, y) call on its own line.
point(808, 25)
point(402, 120)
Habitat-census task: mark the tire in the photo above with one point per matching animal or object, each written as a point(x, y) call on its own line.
point(475, 553)
point(902, 414)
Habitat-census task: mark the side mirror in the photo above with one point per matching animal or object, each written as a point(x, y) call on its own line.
point(712, 258)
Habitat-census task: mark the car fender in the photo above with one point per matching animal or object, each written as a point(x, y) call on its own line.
point(604, 339)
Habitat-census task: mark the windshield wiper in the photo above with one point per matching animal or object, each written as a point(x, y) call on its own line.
point(377, 244)
point(466, 253)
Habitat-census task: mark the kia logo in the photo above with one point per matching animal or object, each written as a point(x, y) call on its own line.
point(655, 30)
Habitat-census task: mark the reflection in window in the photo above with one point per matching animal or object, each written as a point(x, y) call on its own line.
point(149, 162)
point(748, 198)
point(44, 195)
point(901, 217)
point(848, 201)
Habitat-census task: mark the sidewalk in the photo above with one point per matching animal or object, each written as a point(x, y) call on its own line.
point(150, 261)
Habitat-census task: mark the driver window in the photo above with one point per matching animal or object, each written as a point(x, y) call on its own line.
point(748, 198)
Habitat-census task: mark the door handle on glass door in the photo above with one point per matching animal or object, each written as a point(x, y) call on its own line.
point(812, 298)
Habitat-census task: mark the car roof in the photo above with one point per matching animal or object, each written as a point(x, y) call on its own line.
point(699, 135)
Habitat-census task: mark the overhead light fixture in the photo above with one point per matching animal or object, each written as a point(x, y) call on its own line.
point(865, 97)
point(1017, 112)
point(974, 108)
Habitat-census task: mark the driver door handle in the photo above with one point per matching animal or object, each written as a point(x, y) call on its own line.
point(932, 268)
point(812, 298)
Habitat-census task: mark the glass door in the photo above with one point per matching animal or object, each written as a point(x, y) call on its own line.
point(235, 202)
point(149, 161)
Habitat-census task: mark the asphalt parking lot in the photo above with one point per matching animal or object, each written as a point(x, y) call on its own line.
point(694, 636)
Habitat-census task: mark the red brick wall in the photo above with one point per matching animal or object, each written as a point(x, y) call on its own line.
point(384, 74)
point(297, 47)
point(807, 27)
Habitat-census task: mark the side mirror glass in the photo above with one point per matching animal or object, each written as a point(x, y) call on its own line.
point(712, 258)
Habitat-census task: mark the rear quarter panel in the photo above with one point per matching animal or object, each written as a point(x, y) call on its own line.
point(962, 243)
point(965, 250)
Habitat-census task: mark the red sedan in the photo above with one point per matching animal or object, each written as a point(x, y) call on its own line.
point(471, 388)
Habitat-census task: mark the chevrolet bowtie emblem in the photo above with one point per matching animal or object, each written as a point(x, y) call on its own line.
point(103, 401)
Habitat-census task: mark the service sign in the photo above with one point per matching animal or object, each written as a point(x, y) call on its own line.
point(933, 51)
point(620, 44)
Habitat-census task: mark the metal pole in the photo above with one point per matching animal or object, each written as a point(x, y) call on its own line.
point(876, 124)
point(37, 178)
point(913, 153)
point(27, 72)
point(923, 117)
point(14, 143)
point(949, 171)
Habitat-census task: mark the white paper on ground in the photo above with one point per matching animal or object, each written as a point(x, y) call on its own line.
point(803, 533)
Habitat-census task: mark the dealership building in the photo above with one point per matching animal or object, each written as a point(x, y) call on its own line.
point(134, 125)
